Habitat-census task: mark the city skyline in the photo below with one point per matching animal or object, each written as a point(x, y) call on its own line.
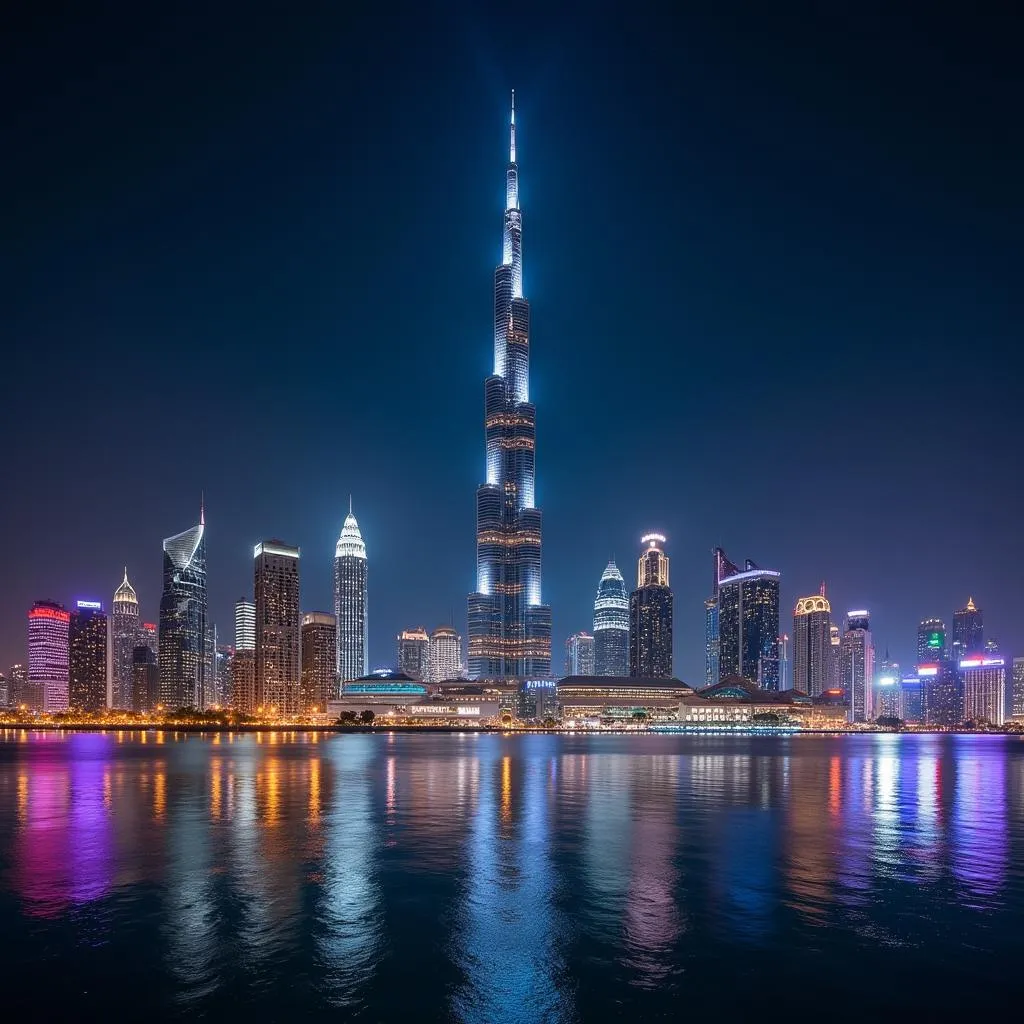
point(67, 551)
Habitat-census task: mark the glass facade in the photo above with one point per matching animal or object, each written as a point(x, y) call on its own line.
point(319, 660)
point(650, 614)
point(968, 631)
point(748, 625)
point(444, 655)
point(942, 695)
point(87, 659)
point(579, 655)
point(887, 701)
point(278, 627)
point(812, 644)
point(857, 666)
point(711, 652)
point(611, 624)
point(124, 635)
point(46, 687)
point(350, 600)
point(931, 641)
point(413, 652)
point(182, 637)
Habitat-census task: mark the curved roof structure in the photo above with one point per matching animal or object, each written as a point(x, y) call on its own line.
point(350, 543)
point(125, 594)
point(182, 547)
point(815, 603)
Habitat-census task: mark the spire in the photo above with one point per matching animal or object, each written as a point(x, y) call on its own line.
point(202, 508)
point(350, 504)
point(970, 605)
point(822, 590)
point(512, 132)
point(125, 594)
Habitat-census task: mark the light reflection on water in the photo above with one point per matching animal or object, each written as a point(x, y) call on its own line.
point(490, 878)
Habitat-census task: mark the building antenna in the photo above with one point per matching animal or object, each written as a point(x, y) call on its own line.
point(202, 510)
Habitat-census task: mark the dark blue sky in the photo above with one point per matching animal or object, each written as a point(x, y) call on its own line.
point(774, 260)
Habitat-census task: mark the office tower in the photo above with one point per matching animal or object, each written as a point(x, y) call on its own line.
point(223, 659)
point(509, 626)
point(711, 641)
point(47, 688)
point(182, 659)
point(911, 699)
point(243, 665)
point(968, 632)
point(444, 655)
point(857, 659)
point(5, 693)
point(579, 655)
point(650, 613)
point(350, 600)
point(887, 699)
point(748, 622)
point(834, 660)
point(611, 624)
point(413, 652)
point(17, 685)
point(812, 643)
point(942, 697)
point(124, 635)
point(145, 690)
point(245, 625)
point(983, 678)
point(148, 636)
point(319, 661)
point(278, 626)
point(931, 641)
point(87, 657)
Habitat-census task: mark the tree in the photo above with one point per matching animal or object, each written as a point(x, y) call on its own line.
point(548, 723)
point(366, 716)
point(888, 722)
point(347, 718)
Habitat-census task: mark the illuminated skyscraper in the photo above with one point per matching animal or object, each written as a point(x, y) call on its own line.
point(124, 635)
point(1016, 691)
point(87, 657)
point(444, 655)
point(145, 679)
point(931, 641)
point(968, 632)
point(17, 685)
point(278, 626)
point(942, 695)
point(983, 677)
point(182, 660)
point(834, 659)
point(413, 652)
point(887, 699)
point(350, 600)
point(245, 625)
point(579, 655)
point(611, 624)
point(911, 699)
point(509, 626)
point(319, 660)
point(711, 641)
point(857, 660)
point(748, 622)
point(812, 643)
point(148, 636)
point(650, 613)
point(243, 665)
point(47, 687)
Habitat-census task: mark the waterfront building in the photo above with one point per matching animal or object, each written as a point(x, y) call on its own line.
point(857, 658)
point(444, 655)
point(319, 660)
point(748, 622)
point(931, 641)
point(911, 699)
point(223, 659)
point(942, 698)
point(414, 652)
point(608, 699)
point(87, 657)
point(812, 643)
point(245, 625)
point(887, 700)
point(835, 639)
point(579, 655)
point(350, 599)
point(1016, 693)
point(145, 695)
point(17, 685)
point(611, 624)
point(650, 613)
point(182, 658)
point(984, 679)
point(124, 635)
point(968, 631)
point(711, 666)
point(509, 625)
point(278, 626)
point(47, 686)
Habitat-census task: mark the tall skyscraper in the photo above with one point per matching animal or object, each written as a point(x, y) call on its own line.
point(413, 652)
point(245, 625)
point(350, 600)
point(17, 685)
point(748, 622)
point(911, 699)
point(1016, 689)
point(968, 632)
point(182, 660)
point(984, 679)
point(650, 613)
point(834, 660)
point(509, 625)
point(444, 655)
point(243, 665)
point(148, 636)
point(278, 626)
point(931, 641)
point(611, 624)
point(857, 658)
point(579, 655)
point(47, 688)
point(887, 700)
point(124, 635)
point(145, 679)
point(942, 695)
point(319, 660)
point(87, 657)
point(711, 641)
point(812, 643)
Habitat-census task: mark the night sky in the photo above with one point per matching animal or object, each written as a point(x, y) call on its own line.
point(774, 262)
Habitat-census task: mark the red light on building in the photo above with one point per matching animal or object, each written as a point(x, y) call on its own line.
point(149, 627)
point(50, 613)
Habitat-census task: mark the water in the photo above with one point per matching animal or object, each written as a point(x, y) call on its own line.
point(521, 878)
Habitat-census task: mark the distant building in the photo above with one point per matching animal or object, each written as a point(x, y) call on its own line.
point(17, 685)
point(350, 599)
point(579, 655)
point(931, 641)
point(223, 659)
point(278, 626)
point(444, 655)
point(711, 641)
point(984, 679)
point(620, 699)
point(650, 613)
point(611, 624)
point(835, 667)
point(145, 680)
point(124, 635)
point(87, 657)
point(942, 696)
point(148, 635)
point(319, 660)
point(857, 659)
point(887, 701)
point(413, 652)
point(748, 623)
point(911, 699)
point(968, 632)
point(245, 625)
point(47, 688)
point(812, 643)
point(1016, 693)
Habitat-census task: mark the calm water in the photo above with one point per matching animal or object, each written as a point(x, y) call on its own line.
point(488, 878)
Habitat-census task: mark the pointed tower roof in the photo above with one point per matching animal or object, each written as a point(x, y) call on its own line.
point(350, 543)
point(970, 605)
point(125, 594)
